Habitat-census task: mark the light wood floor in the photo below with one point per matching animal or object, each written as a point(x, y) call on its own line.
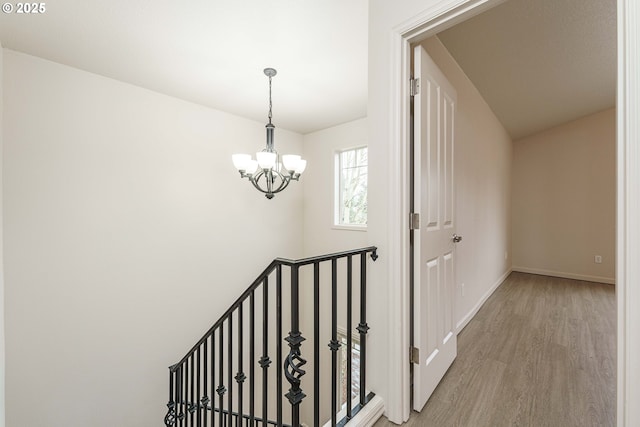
point(540, 352)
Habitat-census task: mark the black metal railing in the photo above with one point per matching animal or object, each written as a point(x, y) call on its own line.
point(219, 363)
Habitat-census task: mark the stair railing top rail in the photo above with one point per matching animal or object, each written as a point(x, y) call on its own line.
point(260, 279)
point(322, 258)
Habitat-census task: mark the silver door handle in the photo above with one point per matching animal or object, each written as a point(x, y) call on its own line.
point(456, 238)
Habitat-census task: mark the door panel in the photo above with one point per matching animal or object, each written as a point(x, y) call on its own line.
point(434, 192)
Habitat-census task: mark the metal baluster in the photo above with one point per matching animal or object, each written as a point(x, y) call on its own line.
point(252, 352)
point(316, 344)
point(205, 398)
point(213, 378)
point(363, 327)
point(185, 395)
point(196, 400)
point(264, 360)
point(294, 361)
point(221, 390)
point(279, 343)
point(334, 344)
point(170, 418)
point(181, 396)
point(190, 406)
point(240, 377)
point(349, 338)
point(230, 370)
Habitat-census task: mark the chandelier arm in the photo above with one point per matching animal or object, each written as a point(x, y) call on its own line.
point(284, 182)
point(254, 180)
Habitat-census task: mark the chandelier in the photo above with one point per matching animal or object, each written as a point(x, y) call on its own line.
point(267, 174)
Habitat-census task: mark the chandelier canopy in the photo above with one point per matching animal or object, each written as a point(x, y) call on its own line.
point(267, 173)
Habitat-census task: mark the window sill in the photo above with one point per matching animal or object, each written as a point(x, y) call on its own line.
point(349, 227)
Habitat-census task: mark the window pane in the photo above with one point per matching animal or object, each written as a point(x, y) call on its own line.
point(353, 187)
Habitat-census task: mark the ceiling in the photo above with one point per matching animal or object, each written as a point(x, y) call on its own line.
point(212, 52)
point(540, 63)
point(537, 63)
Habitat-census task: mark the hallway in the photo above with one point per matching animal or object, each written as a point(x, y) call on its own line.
point(540, 352)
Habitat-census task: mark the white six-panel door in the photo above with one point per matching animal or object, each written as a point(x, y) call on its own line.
point(434, 249)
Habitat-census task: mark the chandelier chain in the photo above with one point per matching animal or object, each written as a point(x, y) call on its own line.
point(270, 103)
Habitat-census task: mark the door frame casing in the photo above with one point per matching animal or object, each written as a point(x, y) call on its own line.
point(428, 23)
point(628, 212)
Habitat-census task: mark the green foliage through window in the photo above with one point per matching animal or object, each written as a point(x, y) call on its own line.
point(352, 188)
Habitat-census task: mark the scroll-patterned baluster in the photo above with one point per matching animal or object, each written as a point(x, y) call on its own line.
point(294, 361)
point(170, 418)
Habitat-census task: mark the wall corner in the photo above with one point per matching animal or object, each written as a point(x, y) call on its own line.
point(2, 353)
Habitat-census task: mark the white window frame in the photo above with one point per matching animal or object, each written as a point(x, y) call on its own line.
point(337, 199)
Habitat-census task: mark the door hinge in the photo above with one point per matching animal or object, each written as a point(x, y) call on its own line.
point(414, 87)
point(414, 356)
point(414, 221)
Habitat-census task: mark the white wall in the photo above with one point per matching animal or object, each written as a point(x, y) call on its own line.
point(483, 153)
point(564, 199)
point(320, 236)
point(2, 345)
point(127, 233)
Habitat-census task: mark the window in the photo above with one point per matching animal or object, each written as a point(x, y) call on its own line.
point(351, 187)
point(344, 394)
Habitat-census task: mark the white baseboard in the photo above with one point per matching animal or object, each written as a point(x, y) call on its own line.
point(367, 416)
point(467, 318)
point(564, 275)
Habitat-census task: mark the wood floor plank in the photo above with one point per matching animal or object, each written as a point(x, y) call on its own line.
point(540, 352)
